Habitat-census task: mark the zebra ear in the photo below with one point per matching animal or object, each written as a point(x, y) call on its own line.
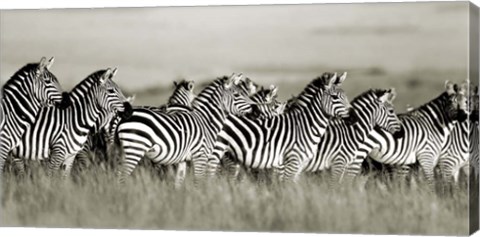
point(332, 80)
point(251, 86)
point(393, 95)
point(449, 87)
point(274, 89)
point(234, 79)
point(409, 108)
point(130, 99)
point(49, 63)
point(113, 73)
point(341, 79)
point(175, 84)
point(190, 85)
point(41, 65)
point(385, 97)
point(105, 76)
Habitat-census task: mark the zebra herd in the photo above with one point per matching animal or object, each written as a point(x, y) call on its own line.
point(233, 123)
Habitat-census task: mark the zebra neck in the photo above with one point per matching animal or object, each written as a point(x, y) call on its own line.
point(210, 113)
point(365, 121)
point(84, 114)
point(315, 118)
point(20, 104)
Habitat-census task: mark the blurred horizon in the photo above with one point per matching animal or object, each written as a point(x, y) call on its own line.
point(287, 45)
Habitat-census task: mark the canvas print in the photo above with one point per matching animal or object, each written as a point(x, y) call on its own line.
point(323, 118)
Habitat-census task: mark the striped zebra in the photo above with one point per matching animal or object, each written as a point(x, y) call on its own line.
point(29, 90)
point(182, 96)
point(180, 100)
point(460, 146)
point(183, 136)
point(336, 150)
point(265, 105)
point(57, 135)
point(286, 141)
point(426, 130)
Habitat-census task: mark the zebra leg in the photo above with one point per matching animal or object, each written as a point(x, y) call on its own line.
point(180, 176)
point(427, 164)
point(67, 165)
point(5, 148)
point(338, 171)
point(56, 160)
point(232, 167)
point(19, 166)
point(292, 168)
point(83, 159)
point(200, 164)
point(129, 163)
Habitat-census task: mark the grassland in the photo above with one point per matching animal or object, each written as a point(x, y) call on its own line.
point(94, 200)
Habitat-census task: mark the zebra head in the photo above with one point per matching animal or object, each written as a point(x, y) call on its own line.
point(46, 88)
point(474, 104)
point(385, 116)
point(183, 93)
point(266, 103)
point(333, 99)
point(248, 87)
point(110, 97)
point(456, 102)
point(234, 99)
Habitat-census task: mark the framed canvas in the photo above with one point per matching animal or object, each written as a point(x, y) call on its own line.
point(357, 118)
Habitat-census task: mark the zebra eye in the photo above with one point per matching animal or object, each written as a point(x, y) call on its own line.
point(111, 91)
point(48, 80)
point(335, 96)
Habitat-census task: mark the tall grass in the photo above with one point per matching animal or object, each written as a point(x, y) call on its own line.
point(93, 199)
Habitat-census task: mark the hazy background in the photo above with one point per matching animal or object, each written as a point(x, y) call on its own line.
point(414, 47)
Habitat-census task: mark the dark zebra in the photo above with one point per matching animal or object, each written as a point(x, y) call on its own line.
point(57, 135)
point(182, 136)
point(29, 90)
point(285, 141)
point(337, 148)
point(426, 130)
point(459, 149)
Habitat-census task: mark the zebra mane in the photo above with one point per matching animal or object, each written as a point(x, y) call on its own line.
point(441, 97)
point(25, 69)
point(200, 98)
point(308, 92)
point(377, 92)
point(85, 84)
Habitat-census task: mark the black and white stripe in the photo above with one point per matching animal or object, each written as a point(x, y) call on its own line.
point(29, 90)
point(337, 148)
point(425, 132)
point(285, 141)
point(178, 137)
point(57, 135)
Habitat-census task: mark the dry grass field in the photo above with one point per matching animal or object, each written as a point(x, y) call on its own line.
point(412, 47)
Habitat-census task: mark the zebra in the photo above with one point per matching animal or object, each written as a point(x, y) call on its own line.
point(181, 97)
point(57, 135)
point(425, 131)
point(285, 141)
point(29, 90)
point(336, 150)
point(460, 146)
point(180, 100)
point(182, 136)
